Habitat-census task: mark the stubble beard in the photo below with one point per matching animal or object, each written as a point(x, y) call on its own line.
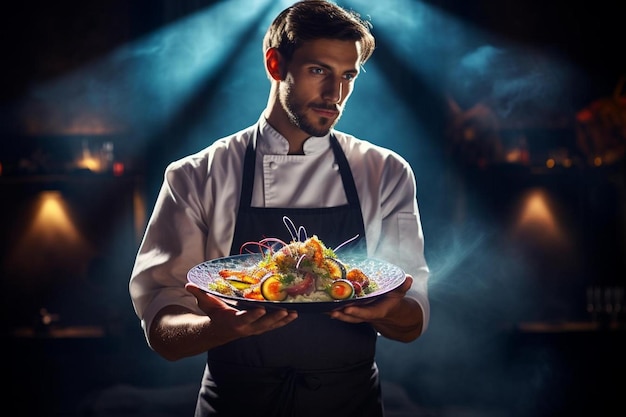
point(297, 115)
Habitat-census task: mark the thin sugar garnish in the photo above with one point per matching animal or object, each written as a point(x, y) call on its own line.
point(346, 242)
point(275, 240)
point(263, 244)
point(298, 234)
point(291, 228)
point(300, 260)
point(302, 235)
point(260, 245)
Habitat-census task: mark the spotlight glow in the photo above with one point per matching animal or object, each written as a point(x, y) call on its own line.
point(538, 222)
point(536, 214)
point(137, 87)
point(51, 248)
point(52, 223)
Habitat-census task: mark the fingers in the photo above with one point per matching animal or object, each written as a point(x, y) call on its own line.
point(406, 285)
point(252, 321)
point(273, 320)
point(376, 310)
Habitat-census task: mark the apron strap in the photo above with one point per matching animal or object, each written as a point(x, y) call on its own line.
point(247, 184)
point(346, 174)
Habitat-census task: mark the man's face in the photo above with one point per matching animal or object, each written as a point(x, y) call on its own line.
point(319, 80)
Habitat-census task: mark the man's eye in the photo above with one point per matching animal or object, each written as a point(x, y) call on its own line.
point(349, 77)
point(317, 70)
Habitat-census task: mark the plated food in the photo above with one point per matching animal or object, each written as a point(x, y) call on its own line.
point(297, 272)
point(303, 275)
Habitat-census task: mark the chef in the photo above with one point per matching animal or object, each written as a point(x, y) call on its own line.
point(292, 162)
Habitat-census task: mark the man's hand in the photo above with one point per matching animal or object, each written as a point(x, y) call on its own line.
point(230, 323)
point(178, 332)
point(394, 315)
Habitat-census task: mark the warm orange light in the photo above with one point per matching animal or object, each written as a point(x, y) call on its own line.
point(51, 247)
point(537, 222)
point(139, 210)
point(52, 221)
point(92, 164)
point(536, 213)
point(89, 161)
point(540, 227)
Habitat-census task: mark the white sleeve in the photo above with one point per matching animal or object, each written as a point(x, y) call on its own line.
point(173, 243)
point(401, 239)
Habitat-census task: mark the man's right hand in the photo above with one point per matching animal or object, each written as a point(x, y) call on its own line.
point(178, 332)
point(231, 323)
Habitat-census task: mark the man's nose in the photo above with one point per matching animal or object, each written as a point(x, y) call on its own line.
point(333, 90)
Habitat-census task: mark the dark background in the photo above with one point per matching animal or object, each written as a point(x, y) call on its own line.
point(511, 333)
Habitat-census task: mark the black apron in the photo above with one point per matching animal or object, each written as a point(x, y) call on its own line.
point(314, 366)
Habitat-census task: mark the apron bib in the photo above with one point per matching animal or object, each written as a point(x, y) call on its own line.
point(314, 366)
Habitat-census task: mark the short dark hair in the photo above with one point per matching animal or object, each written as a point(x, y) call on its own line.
point(308, 20)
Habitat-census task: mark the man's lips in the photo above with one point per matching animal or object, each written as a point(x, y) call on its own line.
point(330, 113)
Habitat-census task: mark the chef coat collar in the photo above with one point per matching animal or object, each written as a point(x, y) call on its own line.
point(270, 142)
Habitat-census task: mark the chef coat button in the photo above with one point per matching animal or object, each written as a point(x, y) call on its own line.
point(312, 382)
point(335, 167)
point(273, 165)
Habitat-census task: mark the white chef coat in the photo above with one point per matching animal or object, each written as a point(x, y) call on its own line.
point(193, 219)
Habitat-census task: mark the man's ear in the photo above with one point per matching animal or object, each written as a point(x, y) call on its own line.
point(273, 64)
